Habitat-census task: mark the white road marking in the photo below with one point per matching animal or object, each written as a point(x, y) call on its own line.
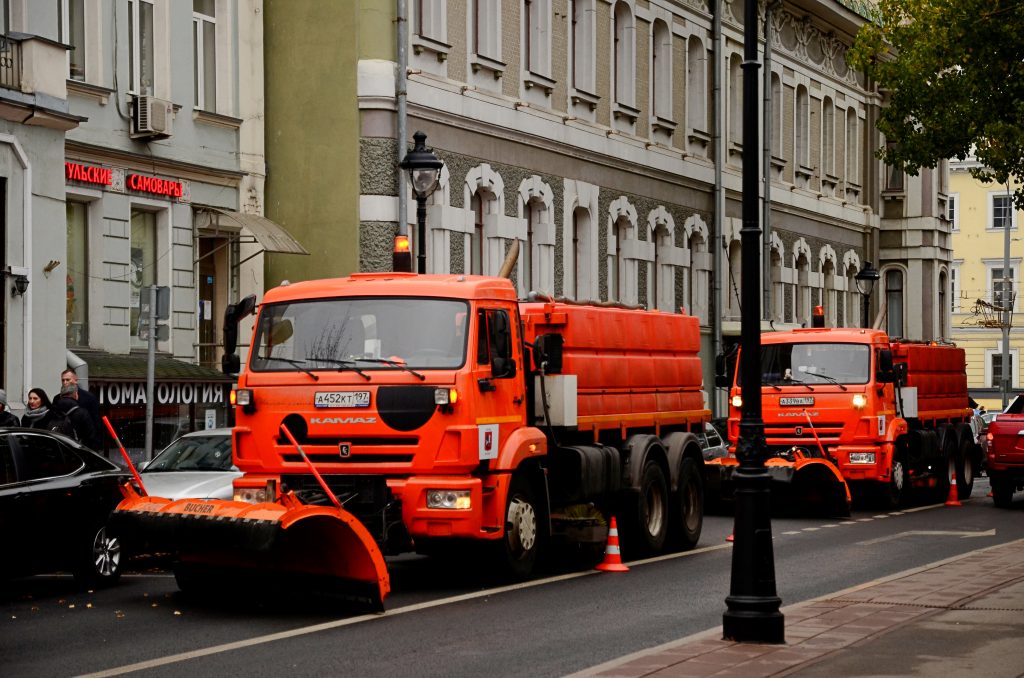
point(811, 529)
point(792, 532)
point(831, 525)
point(930, 533)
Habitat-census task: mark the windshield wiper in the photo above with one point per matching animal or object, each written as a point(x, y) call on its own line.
point(345, 364)
point(772, 384)
point(393, 363)
point(831, 380)
point(801, 382)
point(296, 363)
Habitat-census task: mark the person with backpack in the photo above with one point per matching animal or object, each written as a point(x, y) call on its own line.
point(6, 417)
point(72, 420)
point(38, 414)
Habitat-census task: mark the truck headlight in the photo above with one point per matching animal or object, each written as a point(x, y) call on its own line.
point(862, 457)
point(859, 401)
point(445, 396)
point(449, 499)
point(737, 401)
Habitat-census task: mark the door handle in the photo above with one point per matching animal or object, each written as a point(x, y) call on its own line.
point(486, 385)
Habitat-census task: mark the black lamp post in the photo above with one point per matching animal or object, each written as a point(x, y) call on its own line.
point(424, 171)
point(866, 278)
point(753, 614)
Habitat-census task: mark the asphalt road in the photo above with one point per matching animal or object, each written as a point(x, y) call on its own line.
point(444, 621)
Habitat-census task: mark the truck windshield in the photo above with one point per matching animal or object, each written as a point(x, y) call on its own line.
point(360, 334)
point(791, 364)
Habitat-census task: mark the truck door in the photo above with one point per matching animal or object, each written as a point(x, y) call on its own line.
point(501, 394)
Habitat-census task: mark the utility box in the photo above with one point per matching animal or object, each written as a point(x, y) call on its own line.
point(560, 391)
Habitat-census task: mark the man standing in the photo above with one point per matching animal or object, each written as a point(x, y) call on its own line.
point(88, 402)
point(6, 418)
point(78, 426)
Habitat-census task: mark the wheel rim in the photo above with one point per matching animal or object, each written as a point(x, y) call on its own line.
point(690, 509)
point(968, 470)
point(655, 505)
point(522, 521)
point(897, 475)
point(106, 554)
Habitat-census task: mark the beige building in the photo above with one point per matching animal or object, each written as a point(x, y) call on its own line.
point(979, 214)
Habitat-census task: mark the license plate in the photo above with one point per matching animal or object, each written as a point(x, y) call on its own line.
point(799, 400)
point(341, 399)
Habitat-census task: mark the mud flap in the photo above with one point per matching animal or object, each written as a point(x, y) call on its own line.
point(285, 539)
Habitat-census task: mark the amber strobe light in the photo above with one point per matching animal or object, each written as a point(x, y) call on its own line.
point(401, 257)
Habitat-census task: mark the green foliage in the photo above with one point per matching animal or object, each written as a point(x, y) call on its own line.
point(953, 74)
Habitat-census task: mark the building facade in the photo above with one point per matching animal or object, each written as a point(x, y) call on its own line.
point(981, 286)
point(605, 136)
point(156, 180)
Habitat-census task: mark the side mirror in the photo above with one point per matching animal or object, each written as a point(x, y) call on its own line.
point(886, 373)
point(229, 362)
point(547, 348)
point(722, 371)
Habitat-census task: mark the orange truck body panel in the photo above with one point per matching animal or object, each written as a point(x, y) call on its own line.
point(635, 370)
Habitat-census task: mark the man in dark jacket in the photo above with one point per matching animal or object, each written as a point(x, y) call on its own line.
point(88, 402)
point(6, 418)
point(79, 425)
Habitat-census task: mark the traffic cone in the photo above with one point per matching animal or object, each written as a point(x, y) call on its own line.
point(731, 537)
point(954, 497)
point(612, 555)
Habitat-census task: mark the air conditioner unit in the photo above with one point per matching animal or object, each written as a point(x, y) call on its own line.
point(151, 117)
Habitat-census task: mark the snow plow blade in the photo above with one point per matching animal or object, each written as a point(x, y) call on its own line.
point(800, 485)
point(219, 544)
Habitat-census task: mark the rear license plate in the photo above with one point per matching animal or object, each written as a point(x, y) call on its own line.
point(341, 399)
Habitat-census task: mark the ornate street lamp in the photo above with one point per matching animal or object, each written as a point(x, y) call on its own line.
point(424, 172)
point(753, 614)
point(866, 278)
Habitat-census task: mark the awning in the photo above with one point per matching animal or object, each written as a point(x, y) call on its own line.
point(119, 380)
point(270, 235)
point(105, 366)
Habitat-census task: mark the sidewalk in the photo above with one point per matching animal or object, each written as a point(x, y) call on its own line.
point(961, 615)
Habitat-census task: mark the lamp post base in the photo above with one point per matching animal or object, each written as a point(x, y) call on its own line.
point(751, 619)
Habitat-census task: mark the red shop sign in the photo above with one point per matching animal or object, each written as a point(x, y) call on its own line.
point(87, 173)
point(154, 185)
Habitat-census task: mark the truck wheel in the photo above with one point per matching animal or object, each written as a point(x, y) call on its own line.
point(688, 507)
point(100, 564)
point(965, 474)
point(1002, 491)
point(517, 550)
point(894, 494)
point(647, 512)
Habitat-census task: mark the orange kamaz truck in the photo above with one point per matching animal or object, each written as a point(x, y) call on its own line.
point(853, 412)
point(383, 413)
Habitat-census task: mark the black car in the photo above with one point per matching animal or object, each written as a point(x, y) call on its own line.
point(55, 498)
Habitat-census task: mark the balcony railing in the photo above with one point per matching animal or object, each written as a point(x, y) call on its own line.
point(10, 63)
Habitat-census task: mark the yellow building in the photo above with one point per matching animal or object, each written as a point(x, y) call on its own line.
point(978, 213)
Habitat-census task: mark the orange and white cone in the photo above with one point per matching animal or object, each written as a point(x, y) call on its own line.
point(954, 495)
point(612, 555)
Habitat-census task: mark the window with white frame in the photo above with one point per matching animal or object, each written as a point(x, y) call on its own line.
point(142, 266)
point(487, 29)
point(661, 68)
point(994, 368)
point(619, 277)
point(953, 210)
point(954, 288)
point(584, 74)
point(894, 302)
point(625, 55)
point(802, 301)
point(943, 304)
point(1001, 212)
point(893, 175)
point(696, 93)
point(735, 99)
point(582, 231)
point(77, 273)
point(478, 237)
point(852, 148)
point(1002, 285)
point(803, 127)
point(430, 20)
point(828, 137)
point(204, 52)
point(537, 36)
point(140, 46)
point(776, 125)
point(72, 33)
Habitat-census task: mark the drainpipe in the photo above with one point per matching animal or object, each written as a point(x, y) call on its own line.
point(401, 84)
point(719, 195)
point(766, 167)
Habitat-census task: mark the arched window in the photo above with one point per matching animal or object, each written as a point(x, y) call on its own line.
point(532, 218)
point(581, 234)
point(661, 68)
point(943, 306)
point(778, 289)
point(700, 277)
point(851, 313)
point(477, 240)
point(803, 289)
point(696, 92)
point(619, 276)
point(830, 299)
point(894, 302)
point(625, 55)
point(663, 276)
point(803, 127)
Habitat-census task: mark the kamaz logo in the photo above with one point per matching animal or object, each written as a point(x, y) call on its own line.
point(343, 420)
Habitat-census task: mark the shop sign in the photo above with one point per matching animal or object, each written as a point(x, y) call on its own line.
point(154, 185)
point(88, 174)
point(166, 392)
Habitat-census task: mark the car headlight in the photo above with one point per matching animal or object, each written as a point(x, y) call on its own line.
point(449, 499)
point(862, 457)
point(859, 401)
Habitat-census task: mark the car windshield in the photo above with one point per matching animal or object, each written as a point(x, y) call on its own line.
point(195, 453)
point(793, 364)
point(360, 334)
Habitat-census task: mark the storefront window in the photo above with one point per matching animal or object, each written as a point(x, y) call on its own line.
point(142, 267)
point(77, 275)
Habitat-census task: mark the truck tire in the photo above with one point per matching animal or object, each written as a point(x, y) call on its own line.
point(100, 563)
point(966, 470)
point(895, 492)
point(1002, 491)
point(516, 552)
point(646, 513)
point(687, 518)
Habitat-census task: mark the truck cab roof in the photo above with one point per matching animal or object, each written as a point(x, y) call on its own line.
point(396, 285)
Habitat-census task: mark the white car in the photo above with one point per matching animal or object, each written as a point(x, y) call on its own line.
point(195, 466)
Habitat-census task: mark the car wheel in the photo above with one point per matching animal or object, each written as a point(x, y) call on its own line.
point(1002, 491)
point(102, 563)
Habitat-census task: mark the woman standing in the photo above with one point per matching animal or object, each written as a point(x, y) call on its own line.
point(38, 413)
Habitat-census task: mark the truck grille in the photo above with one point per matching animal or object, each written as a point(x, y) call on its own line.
point(786, 434)
point(361, 450)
